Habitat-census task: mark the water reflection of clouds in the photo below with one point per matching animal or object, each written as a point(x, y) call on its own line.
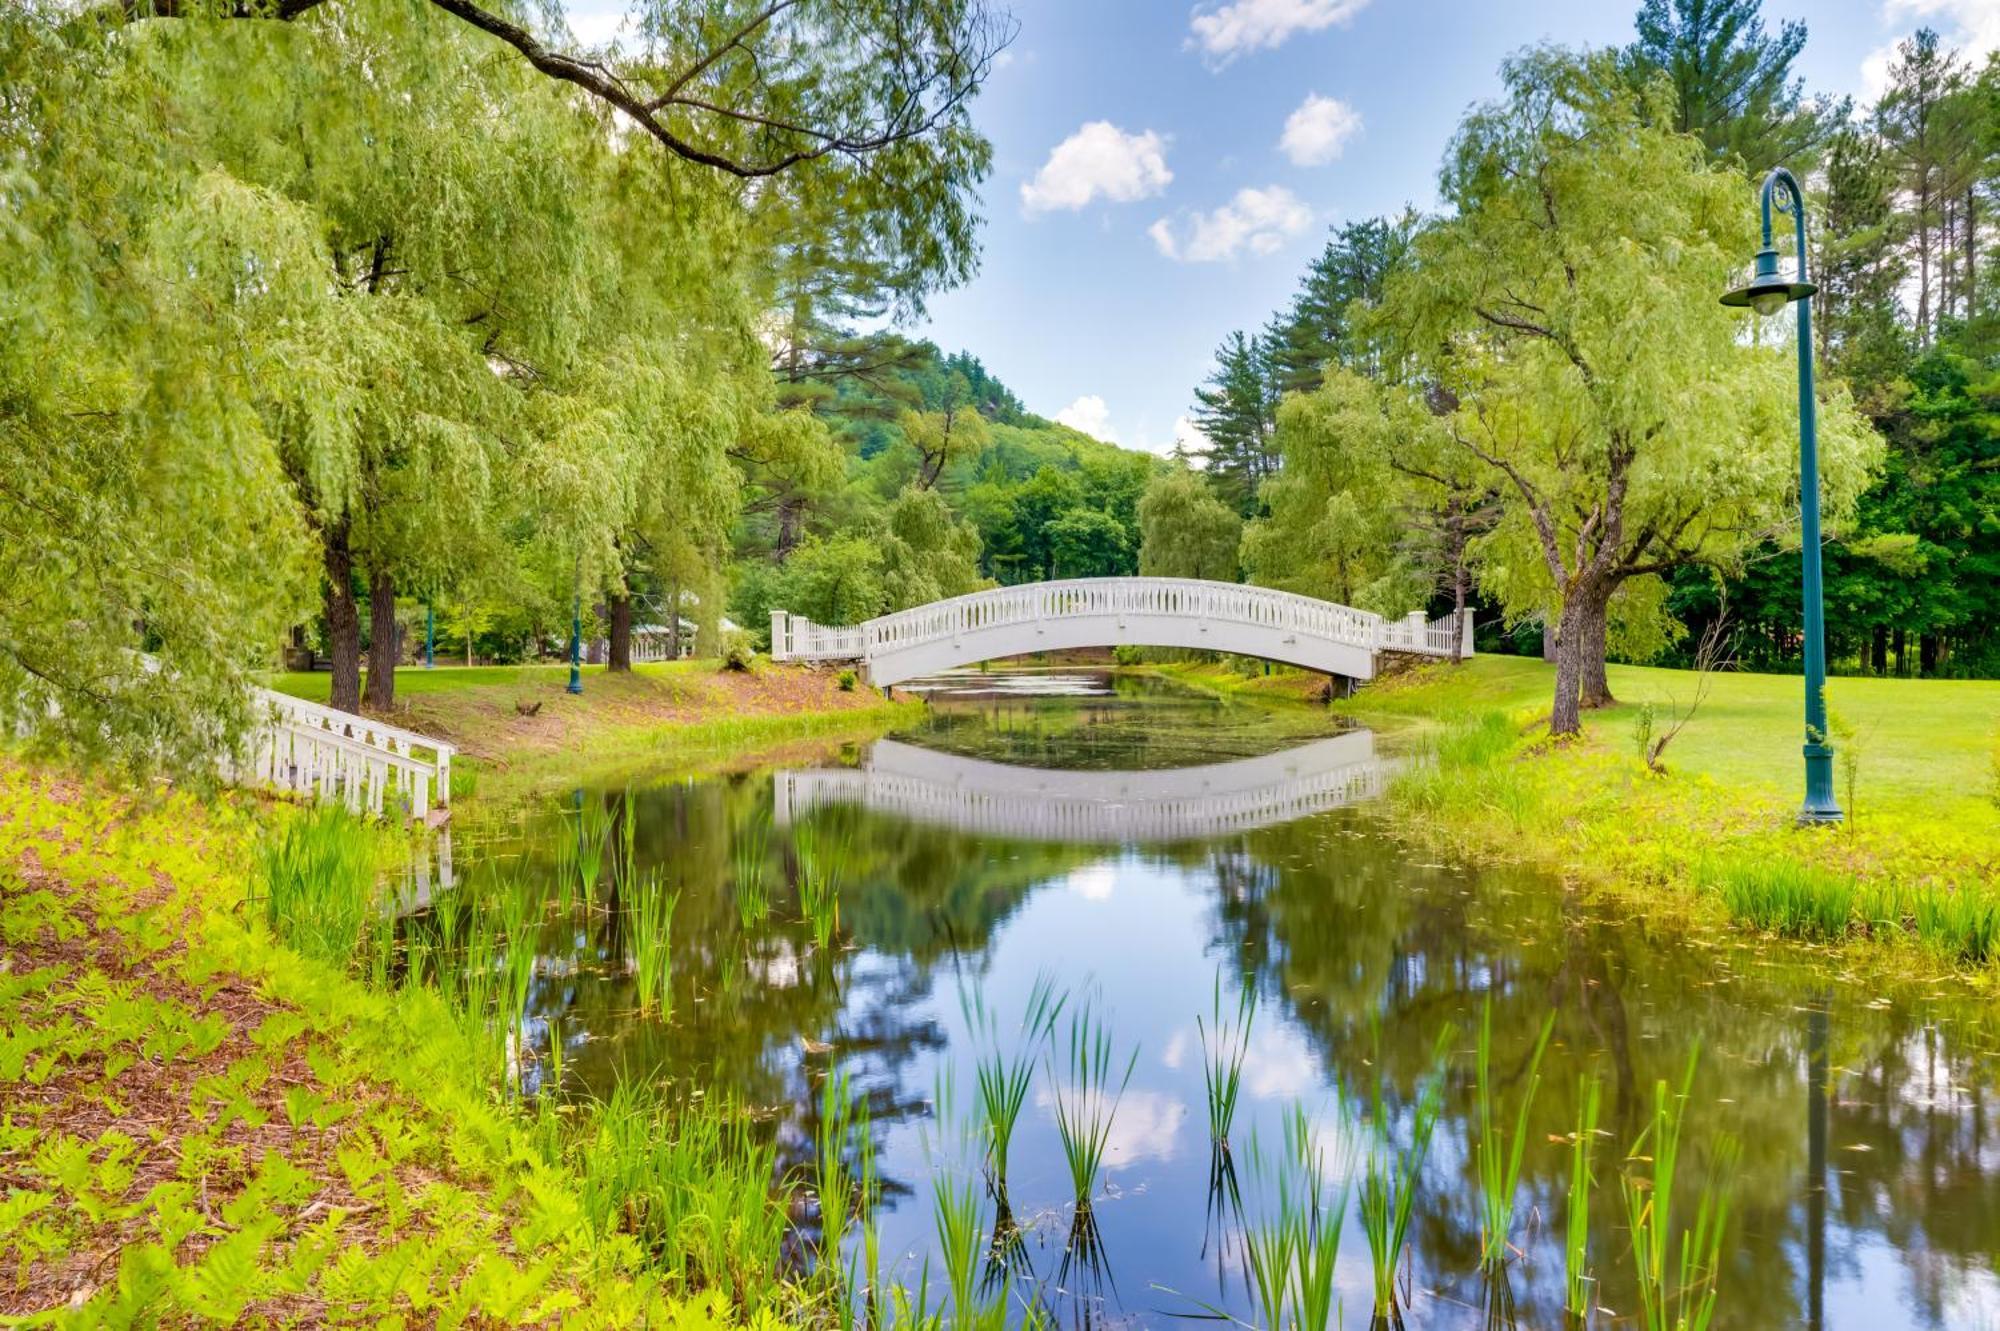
point(1146, 1125)
point(1094, 882)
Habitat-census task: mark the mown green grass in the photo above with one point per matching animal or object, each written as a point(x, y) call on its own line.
point(317, 685)
point(1928, 739)
point(1913, 875)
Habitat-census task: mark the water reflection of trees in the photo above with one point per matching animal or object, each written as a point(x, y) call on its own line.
point(1372, 952)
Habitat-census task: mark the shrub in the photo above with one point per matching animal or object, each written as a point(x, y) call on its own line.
point(738, 651)
point(846, 680)
point(1126, 654)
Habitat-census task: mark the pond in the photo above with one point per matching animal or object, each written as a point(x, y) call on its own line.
point(1149, 854)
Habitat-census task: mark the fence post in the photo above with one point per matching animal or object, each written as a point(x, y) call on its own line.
point(780, 646)
point(1465, 633)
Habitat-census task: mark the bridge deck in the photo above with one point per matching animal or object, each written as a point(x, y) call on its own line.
point(1111, 612)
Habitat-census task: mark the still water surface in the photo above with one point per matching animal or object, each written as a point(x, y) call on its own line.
point(1142, 845)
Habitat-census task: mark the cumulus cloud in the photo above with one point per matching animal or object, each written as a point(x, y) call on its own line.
point(1970, 26)
point(1318, 131)
point(1099, 161)
point(1090, 415)
point(1257, 220)
point(1227, 31)
point(1192, 440)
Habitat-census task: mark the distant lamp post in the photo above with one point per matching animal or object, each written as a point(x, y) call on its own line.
point(576, 645)
point(1767, 293)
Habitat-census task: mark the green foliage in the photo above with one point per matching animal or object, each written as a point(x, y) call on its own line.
point(1578, 1282)
point(1185, 531)
point(1222, 1060)
point(1496, 1156)
point(1676, 1293)
point(1086, 1101)
point(317, 882)
point(846, 680)
point(1785, 898)
point(1390, 1174)
point(1002, 1076)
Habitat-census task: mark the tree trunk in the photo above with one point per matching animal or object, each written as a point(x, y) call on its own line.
point(1565, 715)
point(382, 644)
point(1548, 640)
point(621, 635)
point(1878, 656)
point(1594, 685)
point(674, 620)
point(791, 521)
point(1927, 653)
point(1902, 652)
point(343, 620)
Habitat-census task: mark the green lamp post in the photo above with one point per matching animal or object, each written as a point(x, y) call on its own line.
point(1767, 293)
point(576, 645)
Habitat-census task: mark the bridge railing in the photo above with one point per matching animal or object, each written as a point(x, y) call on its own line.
point(326, 754)
point(797, 638)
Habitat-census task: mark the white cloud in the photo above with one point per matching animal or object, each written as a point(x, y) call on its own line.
point(1090, 415)
point(1248, 25)
point(1316, 133)
point(1100, 160)
point(1259, 220)
point(1145, 1125)
point(596, 23)
point(1972, 27)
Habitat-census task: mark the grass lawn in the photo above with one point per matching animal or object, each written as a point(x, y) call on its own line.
point(520, 726)
point(1928, 740)
point(1907, 888)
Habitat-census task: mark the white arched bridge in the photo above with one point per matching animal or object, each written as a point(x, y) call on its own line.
point(1114, 612)
point(1033, 804)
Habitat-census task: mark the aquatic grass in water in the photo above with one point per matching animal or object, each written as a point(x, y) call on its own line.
point(318, 880)
point(1496, 1155)
point(1086, 1103)
point(1687, 1302)
point(1779, 896)
point(693, 1186)
point(1962, 921)
point(749, 872)
point(652, 929)
point(593, 833)
point(1002, 1077)
point(842, 1189)
point(1223, 1048)
point(1577, 1280)
point(819, 882)
point(1390, 1176)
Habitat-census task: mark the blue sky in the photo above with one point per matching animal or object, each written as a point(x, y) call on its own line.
point(1163, 172)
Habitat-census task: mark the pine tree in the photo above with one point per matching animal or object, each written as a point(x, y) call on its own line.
point(1237, 410)
point(1732, 80)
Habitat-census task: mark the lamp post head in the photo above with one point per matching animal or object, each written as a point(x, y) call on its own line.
point(1767, 291)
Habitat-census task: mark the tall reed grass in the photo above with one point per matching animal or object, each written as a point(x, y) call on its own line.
point(692, 1187)
point(1783, 897)
point(1497, 1154)
point(1003, 1076)
point(1390, 1175)
point(1086, 1102)
point(1676, 1293)
point(749, 862)
point(1578, 1282)
point(820, 860)
point(1224, 1045)
point(318, 882)
point(652, 931)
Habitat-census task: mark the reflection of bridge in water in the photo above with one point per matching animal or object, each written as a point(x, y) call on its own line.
point(1035, 804)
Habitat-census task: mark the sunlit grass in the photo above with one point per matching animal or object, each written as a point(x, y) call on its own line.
point(1785, 898)
point(317, 882)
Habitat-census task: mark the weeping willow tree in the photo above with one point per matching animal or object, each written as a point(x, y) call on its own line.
point(353, 299)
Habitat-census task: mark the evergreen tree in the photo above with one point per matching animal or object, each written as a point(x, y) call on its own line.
point(1236, 409)
point(1732, 80)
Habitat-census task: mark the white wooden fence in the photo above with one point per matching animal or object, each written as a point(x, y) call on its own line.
point(325, 754)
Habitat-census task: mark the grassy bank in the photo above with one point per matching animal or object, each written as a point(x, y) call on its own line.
point(224, 1102)
point(1910, 884)
point(520, 727)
